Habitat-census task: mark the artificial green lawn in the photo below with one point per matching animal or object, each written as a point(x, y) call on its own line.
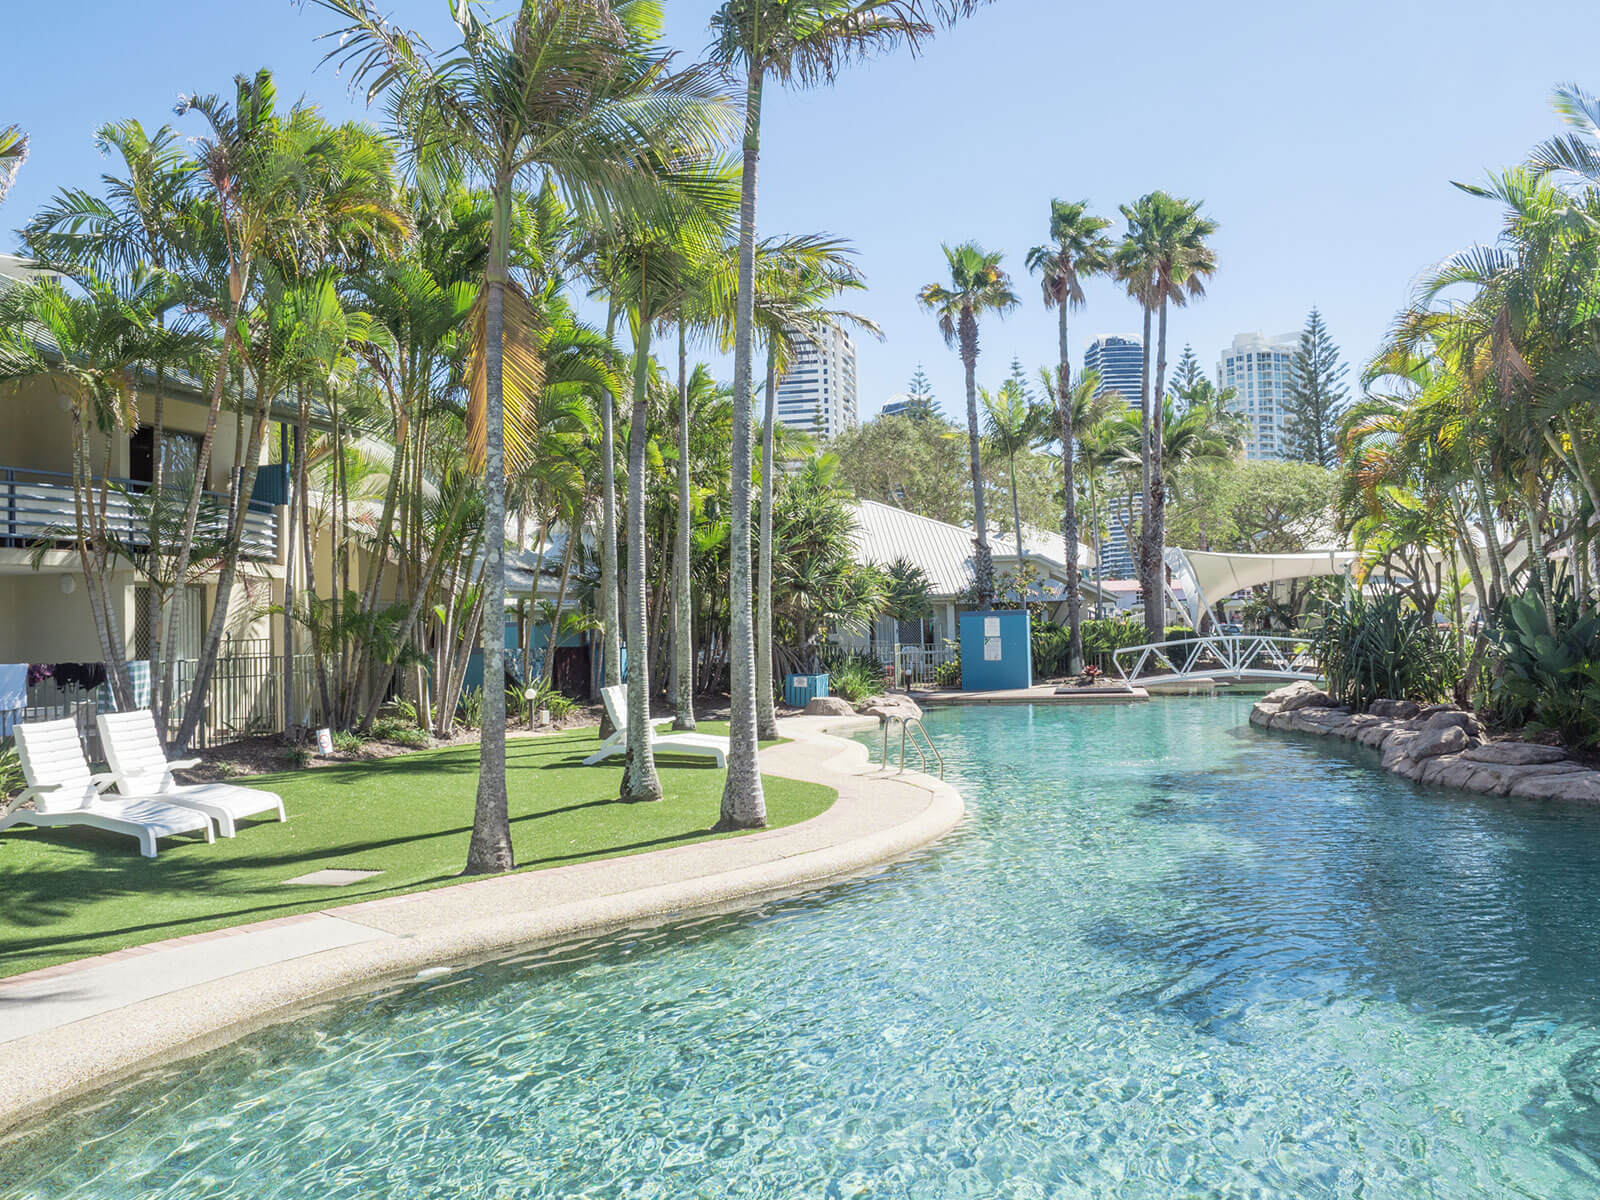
point(70, 893)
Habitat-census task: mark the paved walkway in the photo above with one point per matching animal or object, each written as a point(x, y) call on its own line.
point(66, 1029)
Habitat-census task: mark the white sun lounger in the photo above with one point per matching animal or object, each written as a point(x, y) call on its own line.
point(65, 793)
point(702, 745)
point(140, 765)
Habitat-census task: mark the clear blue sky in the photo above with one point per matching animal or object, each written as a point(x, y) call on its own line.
point(1322, 137)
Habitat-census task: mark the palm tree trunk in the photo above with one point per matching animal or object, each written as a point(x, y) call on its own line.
point(191, 515)
point(683, 636)
point(612, 652)
point(244, 477)
point(1154, 530)
point(1069, 506)
point(490, 849)
point(553, 637)
point(639, 778)
point(1016, 528)
point(982, 562)
point(766, 716)
point(744, 805)
point(288, 583)
point(158, 483)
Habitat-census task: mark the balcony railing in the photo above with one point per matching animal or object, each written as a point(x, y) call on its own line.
point(37, 506)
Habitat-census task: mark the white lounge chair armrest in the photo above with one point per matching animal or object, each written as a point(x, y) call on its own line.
point(103, 780)
point(183, 764)
point(28, 793)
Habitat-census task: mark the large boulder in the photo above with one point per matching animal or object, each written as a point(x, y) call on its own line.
point(1432, 742)
point(829, 706)
point(1399, 710)
point(1516, 754)
point(1448, 718)
point(892, 708)
point(1302, 695)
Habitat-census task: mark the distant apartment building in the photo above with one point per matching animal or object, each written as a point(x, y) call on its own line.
point(1258, 369)
point(818, 395)
point(1120, 361)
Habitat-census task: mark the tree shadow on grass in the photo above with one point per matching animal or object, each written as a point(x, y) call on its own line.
point(41, 895)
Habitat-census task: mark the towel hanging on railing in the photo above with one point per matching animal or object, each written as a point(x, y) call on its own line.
point(85, 676)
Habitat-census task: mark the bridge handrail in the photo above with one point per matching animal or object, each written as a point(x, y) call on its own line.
point(1234, 651)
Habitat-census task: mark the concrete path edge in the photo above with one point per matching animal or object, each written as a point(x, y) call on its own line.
point(879, 817)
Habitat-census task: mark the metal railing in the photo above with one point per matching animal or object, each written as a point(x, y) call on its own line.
point(907, 724)
point(244, 700)
point(37, 506)
point(1233, 654)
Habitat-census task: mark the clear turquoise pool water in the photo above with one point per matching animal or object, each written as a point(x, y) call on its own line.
point(1166, 956)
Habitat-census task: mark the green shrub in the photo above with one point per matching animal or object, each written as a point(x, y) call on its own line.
point(948, 674)
point(1102, 635)
point(1385, 649)
point(545, 696)
point(11, 778)
point(469, 711)
point(853, 675)
point(345, 742)
point(856, 678)
point(1548, 677)
point(401, 733)
point(1052, 646)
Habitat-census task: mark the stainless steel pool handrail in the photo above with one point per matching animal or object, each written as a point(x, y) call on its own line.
point(907, 724)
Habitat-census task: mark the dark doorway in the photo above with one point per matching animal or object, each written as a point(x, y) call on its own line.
point(571, 675)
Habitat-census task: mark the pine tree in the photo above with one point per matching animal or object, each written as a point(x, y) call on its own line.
point(1018, 379)
point(1187, 376)
point(919, 395)
point(1316, 397)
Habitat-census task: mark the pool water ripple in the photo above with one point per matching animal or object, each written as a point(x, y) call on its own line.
point(1165, 956)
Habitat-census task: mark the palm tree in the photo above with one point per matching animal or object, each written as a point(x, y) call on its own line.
point(101, 340)
point(1078, 249)
point(130, 230)
point(569, 88)
point(1163, 260)
point(803, 43)
point(1014, 424)
point(978, 287)
point(13, 153)
point(796, 278)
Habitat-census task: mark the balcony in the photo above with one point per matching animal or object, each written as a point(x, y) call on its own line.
point(37, 506)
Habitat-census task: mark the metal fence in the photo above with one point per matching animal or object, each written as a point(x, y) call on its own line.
point(244, 699)
point(913, 664)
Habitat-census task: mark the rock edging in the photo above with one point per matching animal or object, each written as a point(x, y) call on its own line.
point(1438, 744)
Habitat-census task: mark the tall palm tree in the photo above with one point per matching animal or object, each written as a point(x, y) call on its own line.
point(1164, 260)
point(801, 43)
point(129, 230)
point(1078, 249)
point(569, 88)
point(978, 287)
point(103, 339)
point(1014, 424)
point(796, 279)
point(13, 153)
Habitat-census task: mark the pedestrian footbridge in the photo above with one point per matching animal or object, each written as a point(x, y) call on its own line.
point(1225, 658)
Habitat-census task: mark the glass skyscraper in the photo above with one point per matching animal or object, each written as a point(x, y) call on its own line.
point(1120, 361)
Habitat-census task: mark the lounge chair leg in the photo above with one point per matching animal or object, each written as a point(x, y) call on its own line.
point(147, 843)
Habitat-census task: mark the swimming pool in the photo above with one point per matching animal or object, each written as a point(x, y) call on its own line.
point(1165, 956)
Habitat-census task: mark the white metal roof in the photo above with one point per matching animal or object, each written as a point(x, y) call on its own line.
point(944, 551)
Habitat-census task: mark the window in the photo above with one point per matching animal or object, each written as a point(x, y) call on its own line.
point(179, 454)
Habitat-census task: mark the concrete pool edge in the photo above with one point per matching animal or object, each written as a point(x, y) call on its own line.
point(878, 818)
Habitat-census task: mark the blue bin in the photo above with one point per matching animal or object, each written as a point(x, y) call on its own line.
point(801, 690)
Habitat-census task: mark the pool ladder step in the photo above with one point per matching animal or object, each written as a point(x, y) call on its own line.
point(912, 729)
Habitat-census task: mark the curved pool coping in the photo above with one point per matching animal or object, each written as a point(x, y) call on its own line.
point(879, 817)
